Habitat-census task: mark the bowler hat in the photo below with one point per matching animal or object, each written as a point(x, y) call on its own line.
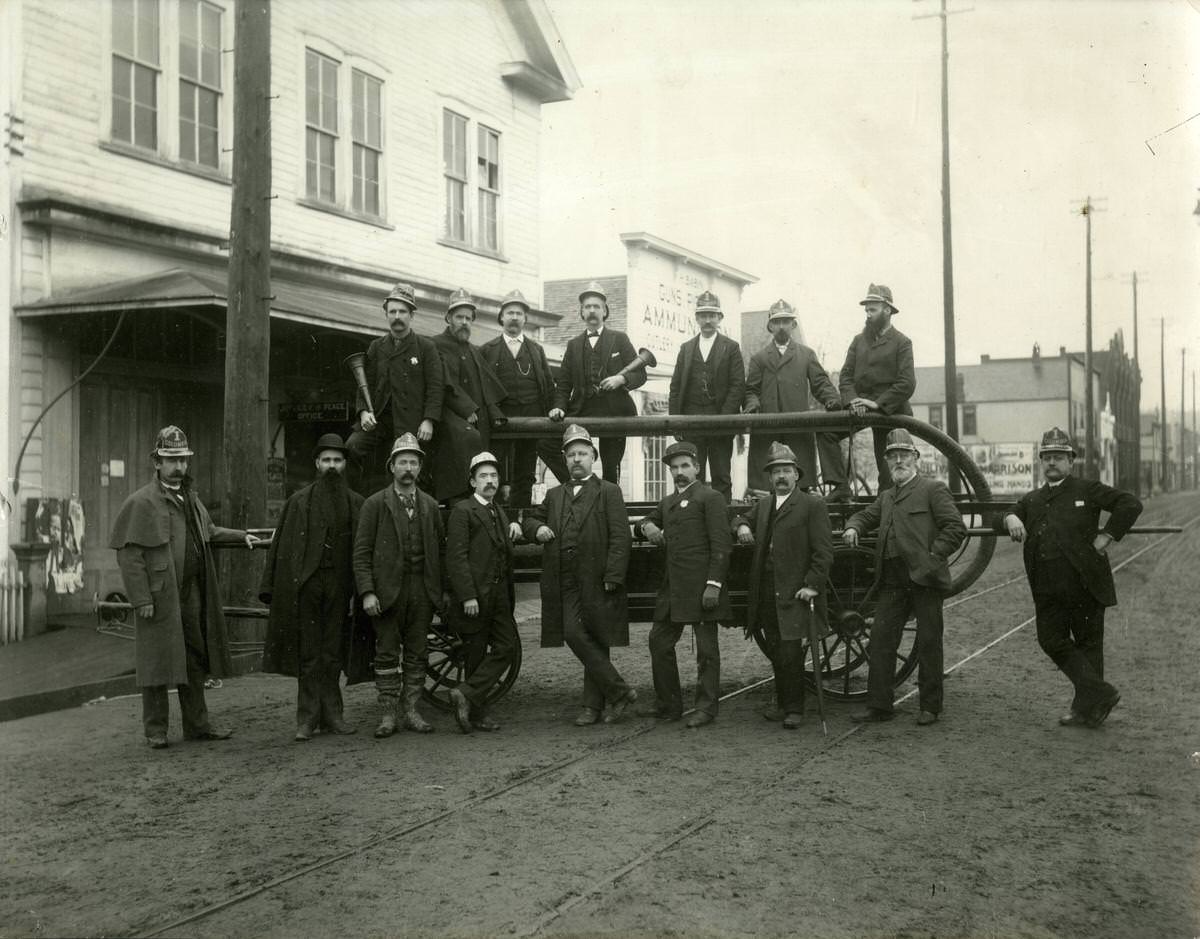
point(1055, 440)
point(576, 432)
point(405, 443)
point(780, 454)
point(404, 293)
point(460, 297)
point(513, 297)
point(877, 293)
point(171, 441)
point(708, 302)
point(900, 439)
point(780, 310)
point(482, 459)
point(680, 448)
point(329, 442)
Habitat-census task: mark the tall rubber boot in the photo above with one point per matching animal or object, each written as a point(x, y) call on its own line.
point(388, 684)
point(412, 717)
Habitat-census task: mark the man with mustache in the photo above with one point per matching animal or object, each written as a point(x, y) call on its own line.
point(793, 552)
point(1066, 559)
point(919, 528)
point(692, 526)
point(589, 382)
point(309, 584)
point(786, 376)
point(162, 535)
point(520, 364)
point(876, 378)
point(709, 378)
point(479, 567)
point(583, 528)
point(470, 406)
point(404, 375)
point(398, 572)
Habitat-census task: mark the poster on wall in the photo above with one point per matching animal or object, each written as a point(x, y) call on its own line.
point(59, 523)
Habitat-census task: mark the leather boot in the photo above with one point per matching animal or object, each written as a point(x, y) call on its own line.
point(308, 708)
point(412, 717)
point(387, 683)
point(331, 708)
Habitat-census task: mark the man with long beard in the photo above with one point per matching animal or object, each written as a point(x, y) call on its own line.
point(162, 535)
point(919, 528)
point(309, 584)
point(876, 378)
point(470, 406)
point(398, 572)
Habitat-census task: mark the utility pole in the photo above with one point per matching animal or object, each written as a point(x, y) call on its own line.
point(1137, 395)
point(1182, 417)
point(247, 324)
point(1162, 369)
point(1089, 424)
point(1195, 440)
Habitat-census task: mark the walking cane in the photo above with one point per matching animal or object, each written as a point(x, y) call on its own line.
point(816, 660)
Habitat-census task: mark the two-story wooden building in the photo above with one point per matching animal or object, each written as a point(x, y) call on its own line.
point(405, 146)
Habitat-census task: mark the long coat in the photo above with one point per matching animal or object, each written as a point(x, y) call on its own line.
point(602, 556)
point(777, 384)
point(494, 348)
point(801, 549)
point(405, 379)
point(696, 526)
point(1070, 514)
point(571, 390)
point(151, 562)
point(456, 441)
point(378, 547)
point(928, 528)
point(880, 369)
point(478, 563)
point(725, 362)
point(290, 564)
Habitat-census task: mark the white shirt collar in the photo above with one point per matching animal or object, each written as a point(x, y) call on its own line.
point(707, 344)
point(579, 482)
point(680, 492)
point(520, 338)
point(779, 500)
point(599, 332)
point(482, 501)
point(1057, 484)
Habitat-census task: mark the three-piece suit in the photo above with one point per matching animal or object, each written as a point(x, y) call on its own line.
point(712, 385)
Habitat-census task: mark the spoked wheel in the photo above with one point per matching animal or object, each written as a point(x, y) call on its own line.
point(447, 665)
point(844, 639)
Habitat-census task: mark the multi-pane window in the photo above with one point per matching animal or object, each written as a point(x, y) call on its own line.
point(488, 160)
point(367, 134)
point(655, 470)
point(935, 415)
point(969, 424)
point(199, 82)
point(135, 68)
point(321, 119)
point(454, 158)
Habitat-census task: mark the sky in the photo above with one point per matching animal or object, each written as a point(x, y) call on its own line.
point(799, 140)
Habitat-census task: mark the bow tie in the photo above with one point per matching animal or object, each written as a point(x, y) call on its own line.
point(592, 335)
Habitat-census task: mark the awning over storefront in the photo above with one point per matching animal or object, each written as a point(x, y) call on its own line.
point(178, 288)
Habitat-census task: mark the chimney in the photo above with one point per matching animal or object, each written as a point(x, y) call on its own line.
point(984, 359)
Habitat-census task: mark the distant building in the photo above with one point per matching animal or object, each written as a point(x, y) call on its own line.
point(654, 302)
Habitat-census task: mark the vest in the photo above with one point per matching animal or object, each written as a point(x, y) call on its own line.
point(700, 393)
point(413, 547)
point(517, 375)
point(594, 366)
point(569, 536)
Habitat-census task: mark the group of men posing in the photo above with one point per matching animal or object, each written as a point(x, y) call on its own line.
point(391, 556)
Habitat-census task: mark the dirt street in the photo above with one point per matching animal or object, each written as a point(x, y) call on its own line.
point(995, 822)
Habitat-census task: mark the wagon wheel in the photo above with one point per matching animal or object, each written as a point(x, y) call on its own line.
point(851, 611)
point(446, 665)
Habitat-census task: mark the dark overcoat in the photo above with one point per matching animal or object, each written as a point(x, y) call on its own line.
point(478, 563)
point(1070, 514)
point(151, 562)
point(494, 348)
point(801, 549)
point(572, 391)
point(880, 369)
point(456, 441)
point(290, 564)
point(378, 553)
point(775, 384)
point(725, 363)
point(928, 528)
point(602, 556)
point(696, 526)
point(405, 379)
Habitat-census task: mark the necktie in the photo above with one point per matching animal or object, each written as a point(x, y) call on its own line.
point(409, 505)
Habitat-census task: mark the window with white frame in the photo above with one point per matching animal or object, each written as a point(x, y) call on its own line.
point(135, 71)
point(461, 147)
point(367, 133)
point(655, 471)
point(199, 82)
point(321, 131)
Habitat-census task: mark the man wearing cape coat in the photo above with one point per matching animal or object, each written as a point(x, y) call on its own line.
point(162, 535)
